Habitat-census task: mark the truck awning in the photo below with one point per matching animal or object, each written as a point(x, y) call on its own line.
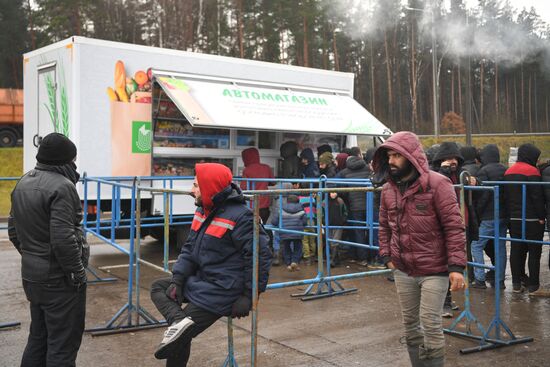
point(218, 103)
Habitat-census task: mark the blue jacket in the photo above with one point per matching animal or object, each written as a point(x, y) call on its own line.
point(294, 218)
point(216, 260)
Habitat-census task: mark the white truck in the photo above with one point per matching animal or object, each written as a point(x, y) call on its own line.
point(144, 111)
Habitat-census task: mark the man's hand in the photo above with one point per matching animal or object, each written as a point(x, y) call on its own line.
point(541, 221)
point(175, 292)
point(390, 265)
point(241, 307)
point(457, 281)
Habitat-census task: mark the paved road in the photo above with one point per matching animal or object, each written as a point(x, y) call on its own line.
point(361, 329)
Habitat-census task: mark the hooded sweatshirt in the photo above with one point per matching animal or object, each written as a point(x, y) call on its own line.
point(291, 161)
point(341, 161)
point(491, 170)
point(525, 169)
point(448, 150)
point(421, 230)
point(255, 169)
point(215, 263)
point(311, 170)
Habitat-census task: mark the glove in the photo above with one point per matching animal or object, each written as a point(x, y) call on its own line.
point(175, 291)
point(241, 307)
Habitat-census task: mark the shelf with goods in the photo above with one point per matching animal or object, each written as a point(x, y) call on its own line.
point(182, 166)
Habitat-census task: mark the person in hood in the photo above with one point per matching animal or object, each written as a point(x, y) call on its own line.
point(293, 218)
point(254, 169)
point(326, 165)
point(341, 161)
point(525, 169)
point(291, 161)
point(309, 166)
point(356, 168)
point(323, 149)
point(430, 154)
point(491, 170)
point(449, 161)
point(422, 239)
point(213, 273)
point(44, 226)
point(471, 160)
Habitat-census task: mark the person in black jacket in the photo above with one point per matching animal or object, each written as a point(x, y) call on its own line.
point(356, 167)
point(44, 225)
point(326, 165)
point(291, 161)
point(491, 170)
point(471, 160)
point(213, 273)
point(525, 169)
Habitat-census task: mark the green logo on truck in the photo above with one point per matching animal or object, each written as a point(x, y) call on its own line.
point(142, 136)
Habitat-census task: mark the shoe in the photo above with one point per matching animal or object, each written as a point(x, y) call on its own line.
point(517, 288)
point(289, 268)
point(525, 280)
point(377, 266)
point(364, 263)
point(295, 267)
point(174, 333)
point(540, 292)
point(276, 259)
point(413, 356)
point(454, 306)
point(391, 278)
point(478, 284)
point(447, 312)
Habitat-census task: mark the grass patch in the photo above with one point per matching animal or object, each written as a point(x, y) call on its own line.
point(11, 165)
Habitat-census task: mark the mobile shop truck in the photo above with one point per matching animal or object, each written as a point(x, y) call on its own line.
point(135, 110)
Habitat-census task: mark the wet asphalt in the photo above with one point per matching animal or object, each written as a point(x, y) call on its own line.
point(358, 329)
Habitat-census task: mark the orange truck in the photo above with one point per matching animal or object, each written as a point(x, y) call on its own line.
point(11, 117)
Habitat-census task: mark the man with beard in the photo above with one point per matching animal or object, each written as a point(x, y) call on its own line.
point(448, 161)
point(422, 239)
point(213, 273)
point(44, 225)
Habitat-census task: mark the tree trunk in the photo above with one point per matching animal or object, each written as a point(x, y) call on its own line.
point(306, 46)
point(335, 50)
point(373, 84)
point(31, 26)
point(388, 76)
point(496, 91)
point(453, 89)
point(529, 111)
point(482, 76)
point(459, 80)
point(240, 27)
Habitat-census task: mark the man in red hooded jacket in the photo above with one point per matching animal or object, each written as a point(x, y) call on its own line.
point(213, 273)
point(422, 239)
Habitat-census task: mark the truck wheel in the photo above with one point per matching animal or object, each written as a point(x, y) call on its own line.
point(7, 139)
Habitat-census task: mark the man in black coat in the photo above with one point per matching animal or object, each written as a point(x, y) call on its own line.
point(44, 225)
point(213, 273)
point(491, 170)
point(525, 169)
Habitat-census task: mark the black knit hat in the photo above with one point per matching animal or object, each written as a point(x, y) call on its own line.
point(56, 150)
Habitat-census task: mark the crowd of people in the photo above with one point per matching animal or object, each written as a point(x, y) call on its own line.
point(421, 237)
point(450, 160)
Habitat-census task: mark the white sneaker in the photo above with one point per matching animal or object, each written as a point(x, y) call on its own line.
point(171, 335)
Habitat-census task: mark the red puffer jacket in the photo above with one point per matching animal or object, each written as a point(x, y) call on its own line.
point(422, 230)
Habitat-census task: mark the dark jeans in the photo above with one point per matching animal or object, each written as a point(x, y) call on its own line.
point(58, 311)
point(518, 254)
point(358, 236)
point(292, 250)
point(172, 312)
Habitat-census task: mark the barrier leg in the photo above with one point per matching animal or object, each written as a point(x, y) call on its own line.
point(230, 360)
point(98, 279)
point(8, 325)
